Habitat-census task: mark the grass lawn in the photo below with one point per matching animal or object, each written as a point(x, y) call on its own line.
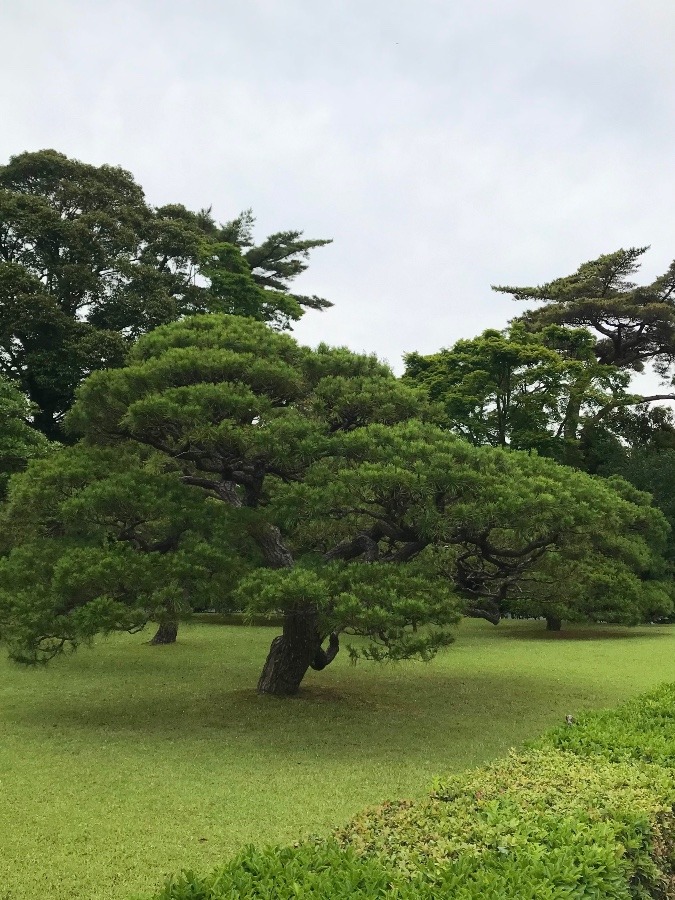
point(121, 765)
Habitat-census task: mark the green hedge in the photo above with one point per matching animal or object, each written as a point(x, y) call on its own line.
point(642, 729)
point(585, 812)
point(540, 824)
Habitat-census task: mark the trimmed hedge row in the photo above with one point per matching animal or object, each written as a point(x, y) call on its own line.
point(585, 812)
point(641, 729)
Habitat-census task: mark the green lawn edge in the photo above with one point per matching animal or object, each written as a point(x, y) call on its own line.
point(587, 811)
point(125, 762)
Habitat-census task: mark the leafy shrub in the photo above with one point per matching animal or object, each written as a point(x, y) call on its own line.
point(641, 729)
point(324, 872)
point(537, 824)
point(585, 812)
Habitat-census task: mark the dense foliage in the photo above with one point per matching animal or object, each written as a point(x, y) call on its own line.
point(19, 442)
point(644, 454)
point(231, 410)
point(86, 265)
point(514, 532)
point(102, 540)
point(217, 464)
point(365, 519)
point(529, 390)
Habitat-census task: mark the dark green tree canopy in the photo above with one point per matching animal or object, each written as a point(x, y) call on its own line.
point(634, 323)
point(639, 445)
point(367, 520)
point(19, 442)
point(86, 266)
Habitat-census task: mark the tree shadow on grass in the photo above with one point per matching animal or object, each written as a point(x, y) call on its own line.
point(572, 633)
point(329, 719)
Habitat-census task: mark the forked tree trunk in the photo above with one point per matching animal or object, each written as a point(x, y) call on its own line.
point(290, 655)
point(553, 623)
point(166, 633)
point(299, 645)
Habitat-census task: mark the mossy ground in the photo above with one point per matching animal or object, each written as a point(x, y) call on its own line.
point(123, 764)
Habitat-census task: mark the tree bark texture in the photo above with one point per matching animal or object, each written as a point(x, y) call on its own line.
point(299, 645)
point(291, 654)
point(166, 633)
point(572, 456)
point(493, 616)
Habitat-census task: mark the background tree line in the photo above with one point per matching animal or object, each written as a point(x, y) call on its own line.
point(186, 453)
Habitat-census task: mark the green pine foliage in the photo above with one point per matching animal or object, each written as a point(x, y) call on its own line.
point(368, 517)
point(634, 323)
point(19, 441)
point(99, 540)
point(514, 532)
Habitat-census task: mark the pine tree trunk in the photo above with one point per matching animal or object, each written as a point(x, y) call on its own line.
point(291, 654)
point(166, 633)
point(553, 623)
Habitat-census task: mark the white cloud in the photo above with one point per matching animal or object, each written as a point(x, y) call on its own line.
point(444, 145)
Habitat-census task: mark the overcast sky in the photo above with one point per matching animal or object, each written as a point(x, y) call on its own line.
point(445, 145)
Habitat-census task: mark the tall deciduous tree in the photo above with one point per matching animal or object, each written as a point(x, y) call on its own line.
point(520, 389)
point(86, 265)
